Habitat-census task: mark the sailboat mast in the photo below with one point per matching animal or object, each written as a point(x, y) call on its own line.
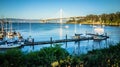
point(2, 26)
point(6, 26)
point(6, 30)
point(11, 26)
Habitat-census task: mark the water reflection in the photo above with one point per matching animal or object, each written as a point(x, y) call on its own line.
point(61, 33)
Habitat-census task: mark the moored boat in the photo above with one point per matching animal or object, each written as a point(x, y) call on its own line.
point(9, 46)
point(76, 36)
point(99, 37)
point(11, 39)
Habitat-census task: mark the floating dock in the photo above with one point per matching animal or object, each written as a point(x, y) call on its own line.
point(55, 41)
point(51, 41)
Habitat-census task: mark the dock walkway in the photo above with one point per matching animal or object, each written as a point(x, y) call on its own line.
point(58, 41)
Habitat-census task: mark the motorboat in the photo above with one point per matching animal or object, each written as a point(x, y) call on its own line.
point(77, 36)
point(99, 37)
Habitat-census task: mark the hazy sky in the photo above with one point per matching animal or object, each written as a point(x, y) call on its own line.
point(37, 9)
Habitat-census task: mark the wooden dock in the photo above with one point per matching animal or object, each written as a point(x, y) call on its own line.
point(55, 41)
point(51, 41)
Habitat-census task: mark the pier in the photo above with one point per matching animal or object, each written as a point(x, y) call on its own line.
point(51, 41)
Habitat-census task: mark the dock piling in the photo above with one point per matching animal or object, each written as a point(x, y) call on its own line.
point(66, 40)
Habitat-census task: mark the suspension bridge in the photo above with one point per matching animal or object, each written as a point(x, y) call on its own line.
point(59, 16)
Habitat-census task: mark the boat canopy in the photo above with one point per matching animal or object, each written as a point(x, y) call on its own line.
point(99, 30)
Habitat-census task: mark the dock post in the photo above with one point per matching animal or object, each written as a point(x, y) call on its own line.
point(51, 41)
point(66, 41)
point(33, 43)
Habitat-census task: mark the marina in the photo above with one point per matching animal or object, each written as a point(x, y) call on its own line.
point(50, 31)
point(12, 39)
point(39, 37)
point(59, 33)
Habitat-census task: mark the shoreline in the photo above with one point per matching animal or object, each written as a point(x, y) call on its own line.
point(95, 23)
point(85, 23)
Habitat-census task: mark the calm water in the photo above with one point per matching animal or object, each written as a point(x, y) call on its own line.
point(42, 32)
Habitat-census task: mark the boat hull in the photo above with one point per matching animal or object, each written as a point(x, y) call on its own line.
point(9, 46)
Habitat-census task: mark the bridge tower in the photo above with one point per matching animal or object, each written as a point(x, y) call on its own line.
point(61, 15)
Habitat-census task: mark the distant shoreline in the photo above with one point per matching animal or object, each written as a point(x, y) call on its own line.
point(112, 24)
point(96, 23)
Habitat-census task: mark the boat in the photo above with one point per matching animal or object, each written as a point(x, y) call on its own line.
point(99, 30)
point(99, 37)
point(9, 43)
point(30, 39)
point(99, 34)
point(9, 46)
point(11, 39)
point(77, 36)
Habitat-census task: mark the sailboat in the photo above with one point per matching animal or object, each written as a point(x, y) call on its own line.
point(99, 33)
point(9, 38)
point(77, 35)
point(30, 39)
point(2, 32)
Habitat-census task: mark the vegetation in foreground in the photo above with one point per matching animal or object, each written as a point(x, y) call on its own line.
point(103, 19)
point(59, 57)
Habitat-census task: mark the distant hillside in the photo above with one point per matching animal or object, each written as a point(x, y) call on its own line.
point(104, 19)
point(19, 20)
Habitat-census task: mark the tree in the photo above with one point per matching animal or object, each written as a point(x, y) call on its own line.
point(13, 58)
point(51, 54)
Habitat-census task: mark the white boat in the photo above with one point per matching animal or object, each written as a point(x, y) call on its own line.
point(12, 39)
point(99, 34)
point(10, 43)
point(99, 30)
point(9, 46)
point(99, 37)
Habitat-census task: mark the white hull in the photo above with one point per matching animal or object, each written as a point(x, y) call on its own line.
point(9, 46)
point(99, 37)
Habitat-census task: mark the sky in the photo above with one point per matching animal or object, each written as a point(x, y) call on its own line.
point(37, 9)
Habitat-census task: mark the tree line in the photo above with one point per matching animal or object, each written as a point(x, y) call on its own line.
point(59, 57)
point(106, 19)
